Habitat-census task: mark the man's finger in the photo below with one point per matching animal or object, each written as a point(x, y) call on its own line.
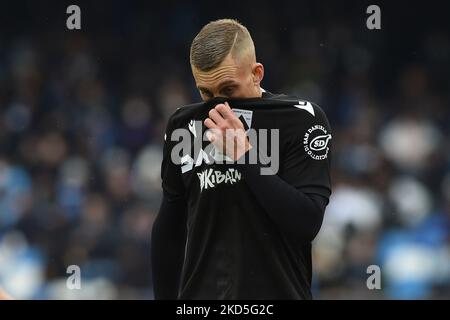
point(215, 137)
point(225, 111)
point(210, 124)
point(216, 117)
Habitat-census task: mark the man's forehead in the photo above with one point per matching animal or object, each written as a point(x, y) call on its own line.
point(220, 76)
point(228, 67)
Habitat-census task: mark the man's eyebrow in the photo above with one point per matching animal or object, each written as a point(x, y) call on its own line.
point(221, 85)
point(203, 89)
point(227, 83)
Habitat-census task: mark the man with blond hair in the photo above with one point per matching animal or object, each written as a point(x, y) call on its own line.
point(230, 227)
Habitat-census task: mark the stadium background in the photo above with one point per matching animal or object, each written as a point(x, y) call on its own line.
point(82, 115)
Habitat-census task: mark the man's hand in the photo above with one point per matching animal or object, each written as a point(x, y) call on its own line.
point(227, 132)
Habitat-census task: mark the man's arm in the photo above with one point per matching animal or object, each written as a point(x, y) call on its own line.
point(299, 215)
point(168, 242)
point(169, 229)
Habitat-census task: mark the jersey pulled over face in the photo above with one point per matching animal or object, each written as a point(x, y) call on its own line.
point(233, 248)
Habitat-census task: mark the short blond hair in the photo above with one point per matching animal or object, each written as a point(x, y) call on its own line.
point(216, 40)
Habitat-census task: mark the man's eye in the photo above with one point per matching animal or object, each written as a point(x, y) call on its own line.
point(228, 91)
point(206, 94)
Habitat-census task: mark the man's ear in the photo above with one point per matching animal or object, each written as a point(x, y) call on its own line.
point(258, 73)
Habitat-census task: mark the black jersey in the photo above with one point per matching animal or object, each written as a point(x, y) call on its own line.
point(233, 249)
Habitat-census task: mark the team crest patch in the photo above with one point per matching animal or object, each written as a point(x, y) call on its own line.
point(245, 116)
point(316, 141)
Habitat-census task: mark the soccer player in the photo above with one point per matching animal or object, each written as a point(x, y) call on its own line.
point(225, 230)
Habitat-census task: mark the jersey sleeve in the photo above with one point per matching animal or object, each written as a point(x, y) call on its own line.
point(307, 153)
point(172, 183)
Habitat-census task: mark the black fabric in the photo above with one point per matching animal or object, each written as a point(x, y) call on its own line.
point(168, 242)
point(299, 215)
point(248, 236)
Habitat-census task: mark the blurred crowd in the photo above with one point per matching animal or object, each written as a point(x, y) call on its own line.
point(82, 116)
